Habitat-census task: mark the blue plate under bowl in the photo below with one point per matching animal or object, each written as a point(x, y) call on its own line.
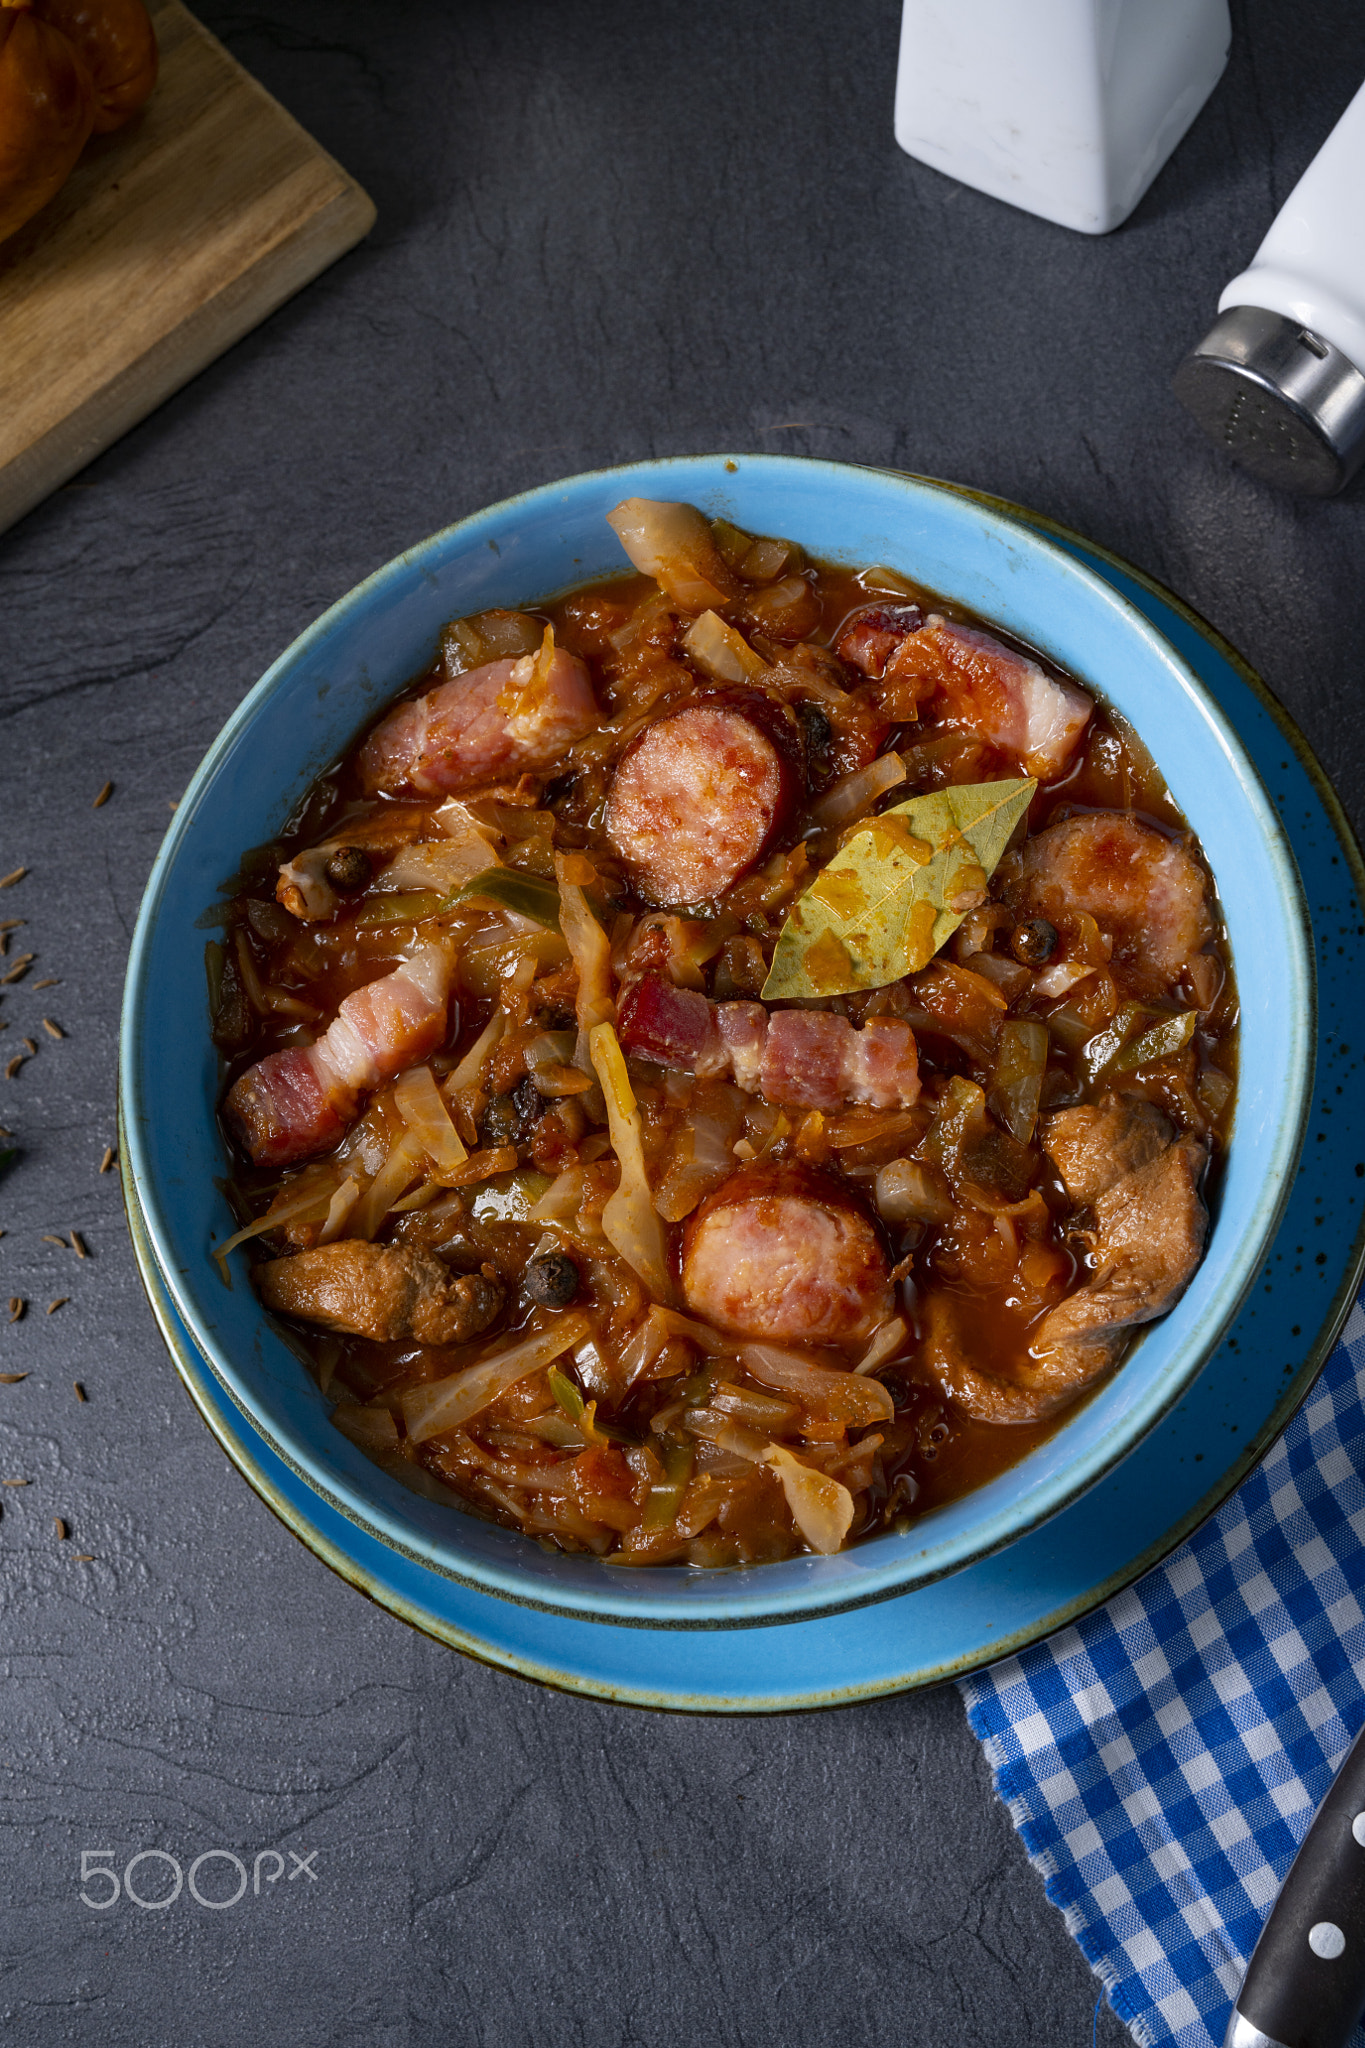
point(305, 712)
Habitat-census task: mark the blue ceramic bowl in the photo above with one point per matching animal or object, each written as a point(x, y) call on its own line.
point(306, 710)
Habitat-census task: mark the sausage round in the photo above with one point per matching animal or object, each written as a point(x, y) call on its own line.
point(698, 798)
point(784, 1253)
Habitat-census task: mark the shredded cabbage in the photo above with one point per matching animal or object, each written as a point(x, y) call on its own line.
point(443, 1405)
point(309, 1200)
point(675, 544)
point(591, 950)
point(628, 1218)
point(420, 1104)
point(393, 1179)
point(821, 1508)
point(885, 1344)
point(842, 1396)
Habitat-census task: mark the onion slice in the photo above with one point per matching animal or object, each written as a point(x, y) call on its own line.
point(721, 652)
point(856, 792)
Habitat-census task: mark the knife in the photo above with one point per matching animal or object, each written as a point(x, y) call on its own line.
point(1305, 1983)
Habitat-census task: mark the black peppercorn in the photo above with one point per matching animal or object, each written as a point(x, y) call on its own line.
point(551, 1279)
point(348, 868)
point(1033, 941)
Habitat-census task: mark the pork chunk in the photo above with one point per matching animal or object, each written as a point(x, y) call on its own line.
point(1150, 1228)
point(1149, 1237)
point(1095, 1145)
point(387, 1292)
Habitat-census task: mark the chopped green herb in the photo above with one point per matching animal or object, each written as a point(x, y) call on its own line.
point(666, 1498)
point(566, 1393)
point(405, 906)
point(513, 889)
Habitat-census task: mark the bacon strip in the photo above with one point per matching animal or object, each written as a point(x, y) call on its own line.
point(301, 1101)
point(803, 1059)
point(507, 718)
point(976, 684)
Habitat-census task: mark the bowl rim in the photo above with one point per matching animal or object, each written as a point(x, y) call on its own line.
point(731, 1597)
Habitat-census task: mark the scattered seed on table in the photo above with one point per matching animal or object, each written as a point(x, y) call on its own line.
point(78, 1245)
point(20, 967)
point(16, 1307)
point(51, 982)
point(107, 1160)
point(60, 1302)
point(62, 1531)
point(175, 806)
point(53, 1030)
point(48, 1238)
point(15, 875)
point(12, 1379)
point(14, 1482)
point(12, 924)
point(103, 796)
point(31, 1046)
point(81, 1394)
point(12, 1069)
point(83, 1556)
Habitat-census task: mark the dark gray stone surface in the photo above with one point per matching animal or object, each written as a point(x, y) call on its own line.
point(604, 232)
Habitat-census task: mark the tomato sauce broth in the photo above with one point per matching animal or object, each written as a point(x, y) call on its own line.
point(651, 1440)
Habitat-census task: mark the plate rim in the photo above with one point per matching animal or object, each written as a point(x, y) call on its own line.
point(1292, 1398)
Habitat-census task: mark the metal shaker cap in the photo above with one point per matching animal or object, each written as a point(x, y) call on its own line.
point(1278, 399)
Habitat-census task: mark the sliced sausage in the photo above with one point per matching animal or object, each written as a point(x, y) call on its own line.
point(700, 796)
point(785, 1253)
point(1146, 892)
point(387, 1292)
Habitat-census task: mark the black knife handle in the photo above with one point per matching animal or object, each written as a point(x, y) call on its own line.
point(1305, 1983)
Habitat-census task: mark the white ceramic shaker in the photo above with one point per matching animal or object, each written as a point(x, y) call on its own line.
point(1279, 380)
point(1067, 108)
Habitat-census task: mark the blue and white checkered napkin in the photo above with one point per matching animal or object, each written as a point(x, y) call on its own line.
point(1162, 1759)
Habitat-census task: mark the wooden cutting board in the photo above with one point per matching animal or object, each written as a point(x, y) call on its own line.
point(171, 240)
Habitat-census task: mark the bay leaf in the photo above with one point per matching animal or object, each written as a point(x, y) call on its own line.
point(897, 890)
